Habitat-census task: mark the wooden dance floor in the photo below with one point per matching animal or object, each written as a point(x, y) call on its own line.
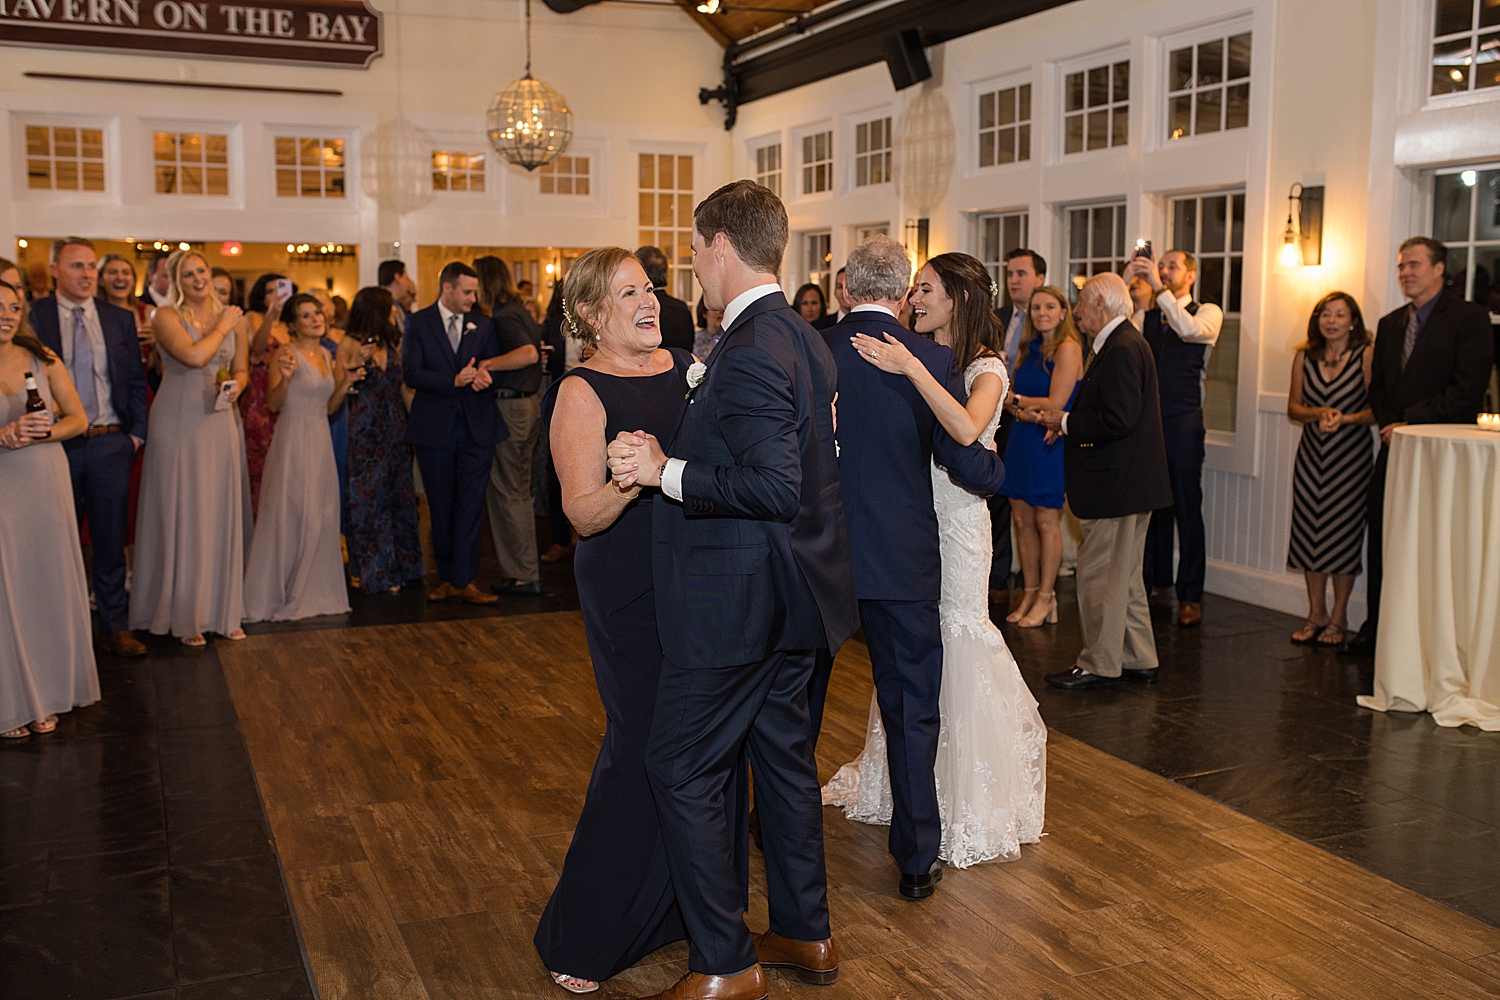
point(422, 782)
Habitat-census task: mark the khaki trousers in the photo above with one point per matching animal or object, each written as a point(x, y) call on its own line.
point(1112, 603)
point(508, 498)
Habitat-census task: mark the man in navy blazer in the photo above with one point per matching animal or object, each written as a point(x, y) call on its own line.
point(888, 437)
point(752, 574)
point(454, 424)
point(103, 359)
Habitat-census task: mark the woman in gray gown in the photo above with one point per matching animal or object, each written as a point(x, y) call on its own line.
point(46, 650)
point(193, 522)
point(296, 566)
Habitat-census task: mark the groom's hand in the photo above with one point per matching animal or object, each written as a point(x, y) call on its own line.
point(636, 454)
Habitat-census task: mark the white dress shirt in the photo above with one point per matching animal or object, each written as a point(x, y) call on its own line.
point(1109, 328)
point(1200, 329)
point(103, 396)
point(671, 475)
point(872, 307)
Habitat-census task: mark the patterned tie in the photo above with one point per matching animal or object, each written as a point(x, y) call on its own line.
point(1412, 326)
point(1013, 337)
point(83, 366)
point(453, 334)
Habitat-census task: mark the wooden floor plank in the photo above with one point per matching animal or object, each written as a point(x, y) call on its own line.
point(516, 907)
point(464, 957)
point(421, 877)
point(1325, 974)
point(1141, 981)
point(353, 946)
point(907, 974)
point(482, 834)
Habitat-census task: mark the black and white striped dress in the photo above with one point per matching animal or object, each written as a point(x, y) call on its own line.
point(1331, 477)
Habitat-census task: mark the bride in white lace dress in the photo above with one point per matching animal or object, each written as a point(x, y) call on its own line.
point(991, 766)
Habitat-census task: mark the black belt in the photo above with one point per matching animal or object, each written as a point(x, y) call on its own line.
point(513, 394)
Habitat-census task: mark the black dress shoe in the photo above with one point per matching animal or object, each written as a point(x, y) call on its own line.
point(1145, 676)
point(1360, 644)
point(1075, 679)
point(921, 886)
point(517, 588)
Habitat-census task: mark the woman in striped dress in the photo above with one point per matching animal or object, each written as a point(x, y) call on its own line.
point(1330, 379)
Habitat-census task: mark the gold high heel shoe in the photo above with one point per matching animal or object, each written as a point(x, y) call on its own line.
point(1049, 617)
point(1024, 606)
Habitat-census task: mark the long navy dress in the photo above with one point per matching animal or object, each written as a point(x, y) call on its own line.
point(380, 501)
point(614, 903)
point(1034, 468)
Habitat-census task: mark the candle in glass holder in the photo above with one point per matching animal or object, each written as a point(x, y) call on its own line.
point(1489, 422)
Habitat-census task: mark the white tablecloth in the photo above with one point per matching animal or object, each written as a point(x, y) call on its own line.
point(1439, 648)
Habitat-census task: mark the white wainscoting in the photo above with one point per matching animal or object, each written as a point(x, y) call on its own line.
point(1249, 523)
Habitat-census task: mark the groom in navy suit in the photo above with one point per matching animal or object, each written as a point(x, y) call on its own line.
point(103, 359)
point(752, 572)
point(454, 424)
point(888, 437)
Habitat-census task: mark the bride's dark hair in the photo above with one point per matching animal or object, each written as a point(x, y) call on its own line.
point(976, 328)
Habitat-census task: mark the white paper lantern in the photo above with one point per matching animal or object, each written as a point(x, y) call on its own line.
point(924, 151)
point(397, 167)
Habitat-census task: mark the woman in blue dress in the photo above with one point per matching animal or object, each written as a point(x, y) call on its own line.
point(1048, 369)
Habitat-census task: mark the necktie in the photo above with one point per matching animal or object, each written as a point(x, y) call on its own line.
point(453, 335)
point(1013, 337)
point(83, 366)
point(1412, 326)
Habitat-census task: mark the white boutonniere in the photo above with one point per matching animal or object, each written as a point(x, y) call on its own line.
point(695, 374)
point(470, 328)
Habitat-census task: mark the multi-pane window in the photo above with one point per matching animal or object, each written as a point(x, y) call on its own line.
point(1096, 108)
point(191, 163)
point(1005, 126)
point(1212, 228)
point(309, 168)
point(666, 205)
point(1208, 87)
point(817, 250)
point(872, 152)
point(768, 167)
point(566, 175)
point(453, 170)
point(862, 233)
point(62, 158)
point(1466, 216)
point(999, 234)
point(1465, 46)
point(1096, 243)
point(817, 162)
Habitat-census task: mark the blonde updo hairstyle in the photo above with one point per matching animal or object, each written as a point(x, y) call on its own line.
point(586, 292)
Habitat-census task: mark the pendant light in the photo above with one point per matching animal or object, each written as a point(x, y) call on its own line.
point(529, 122)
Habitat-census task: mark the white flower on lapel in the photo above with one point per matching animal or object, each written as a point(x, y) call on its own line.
point(695, 374)
point(470, 328)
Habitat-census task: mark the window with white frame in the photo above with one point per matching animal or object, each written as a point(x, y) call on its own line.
point(1465, 46)
point(309, 168)
point(1096, 107)
point(666, 205)
point(999, 234)
point(1096, 242)
point(64, 158)
point(1005, 125)
point(862, 233)
point(190, 163)
point(457, 170)
point(565, 175)
point(1208, 86)
point(817, 162)
point(768, 167)
point(872, 152)
point(817, 256)
point(1466, 217)
point(1212, 228)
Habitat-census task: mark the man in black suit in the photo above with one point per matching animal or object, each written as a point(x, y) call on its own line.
point(393, 278)
point(841, 295)
point(1025, 272)
point(1115, 468)
point(1431, 366)
point(454, 424)
point(888, 437)
point(157, 280)
point(103, 359)
point(676, 318)
point(753, 577)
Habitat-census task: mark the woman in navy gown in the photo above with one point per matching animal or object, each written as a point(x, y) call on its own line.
point(614, 903)
point(1048, 368)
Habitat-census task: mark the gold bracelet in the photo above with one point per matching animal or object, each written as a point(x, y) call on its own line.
point(621, 493)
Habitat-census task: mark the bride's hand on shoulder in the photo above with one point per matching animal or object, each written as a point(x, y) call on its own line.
point(889, 355)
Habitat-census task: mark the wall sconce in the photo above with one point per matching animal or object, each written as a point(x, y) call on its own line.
point(1302, 241)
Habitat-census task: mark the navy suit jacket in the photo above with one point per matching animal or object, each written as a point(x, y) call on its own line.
point(127, 376)
point(755, 559)
point(429, 365)
point(888, 436)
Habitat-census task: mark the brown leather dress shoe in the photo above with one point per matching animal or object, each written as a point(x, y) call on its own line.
point(441, 592)
point(472, 595)
point(748, 985)
point(815, 962)
point(124, 644)
point(1190, 613)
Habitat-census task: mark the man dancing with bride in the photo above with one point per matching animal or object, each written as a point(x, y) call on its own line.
point(955, 751)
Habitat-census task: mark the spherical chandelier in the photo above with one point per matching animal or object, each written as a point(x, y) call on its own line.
point(529, 122)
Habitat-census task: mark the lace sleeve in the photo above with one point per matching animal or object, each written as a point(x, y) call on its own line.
point(989, 363)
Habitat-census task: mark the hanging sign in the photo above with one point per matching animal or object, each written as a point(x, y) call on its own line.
point(322, 32)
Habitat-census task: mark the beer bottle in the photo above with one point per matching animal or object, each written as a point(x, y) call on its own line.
point(34, 402)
